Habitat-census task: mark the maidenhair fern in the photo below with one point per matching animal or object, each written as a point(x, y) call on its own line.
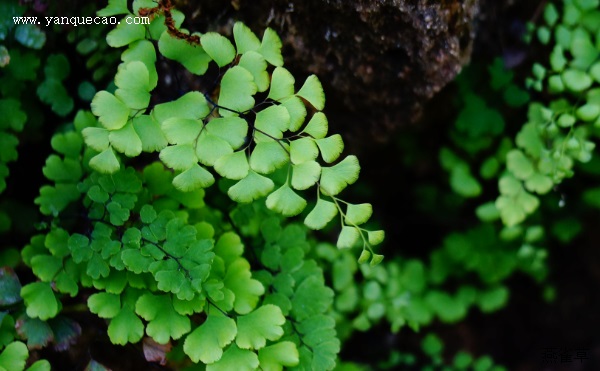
point(164, 263)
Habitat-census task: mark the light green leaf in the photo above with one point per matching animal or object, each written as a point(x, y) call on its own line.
point(331, 147)
point(114, 7)
point(276, 356)
point(126, 32)
point(133, 82)
point(191, 56)
point(312, 297)
point(233, 166)
point(126, 140)
point(272, 121)
point(256, 328)
point(375, 237)
point(519, 164)
point(237, 359)
point(125, 327)
point(164, 322)
point(268, 157)
point(179, 157)
point(539, 183)
point(111, 111)
point(193, 178)
point(105, 305)
point(257, 66)
point(270, 47)
point(231, 129)
point(317, 126)
point(286, 202)
point(252, 187)
point(348, 237)
point(105, 162)
point(323, 212)
point(247, 290)
point(40, 300)
point(150, 134)
point(143, 51)
point(181, 130)
point(303, 150)
point(576, 80)
point(282, 84)
point(191, 105)
point(312, 91)
point(14, 357)
point(237, 90)
point(297, 111)
point(335, 178)
point(305, 175)
point(218, 47)
point(245, 39)
point(206, 342)
point(358, 214)
point(210, 148)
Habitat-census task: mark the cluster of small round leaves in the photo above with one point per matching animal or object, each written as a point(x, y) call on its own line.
point(226, 131)
point(556, 134)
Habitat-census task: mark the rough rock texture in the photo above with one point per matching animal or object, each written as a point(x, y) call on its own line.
point(379, 61)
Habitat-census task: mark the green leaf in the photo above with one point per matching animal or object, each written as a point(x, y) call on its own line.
point(125, 327)
point(231, 129)
point(576, 80)
point(519, 164)
point(143, 51)
point(348, 237)
point(539, 183)
point(133, 82)
point(206, 342)
point(305, 175)
point(40, 300)
point(105, 305)
point(164, 321)
point(14, 357)
point(46, 266)
point(270, 48)
point(58, 170)
point(276, 356)
point(312, 297)
point(245, 39)
point(191, 56)
point(323, 212)
point(303, 150)
point(105, 162)
point(235, 358)
point(247, 290)
point(126, 140)
point(10, 287)
point(111, 111)
point(268, 157)
point(126, 32)
point(335, 178)
point(297, 111)
point(463, 183)
point(114, 7)
point(312, 91)
point(30, 36)
point(233, 166)
point(257, 66)
point(282, 84)
point(286, 202)
point(237, 90)
point(210, 148)
point(193, 178)
point(358, 214)
point(271, 122)
point(317, 126)
point(375, 237)
point(150, 133)
point(179, 157)
point(256, 328)
point(191, 105)
point(252, 187)
point(181, 130)
point(331, 147)
point(68, 144)
point(218, 47)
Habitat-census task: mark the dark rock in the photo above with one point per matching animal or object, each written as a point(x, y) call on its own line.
point(379, 61)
